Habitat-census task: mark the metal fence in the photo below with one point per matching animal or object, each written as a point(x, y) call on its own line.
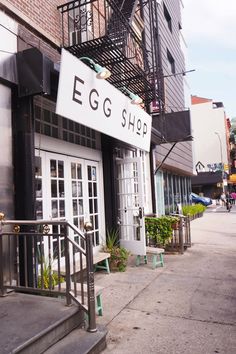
point(39, 269)
point(181, 239)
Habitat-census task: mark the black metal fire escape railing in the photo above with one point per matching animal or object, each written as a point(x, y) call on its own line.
point(102, 31)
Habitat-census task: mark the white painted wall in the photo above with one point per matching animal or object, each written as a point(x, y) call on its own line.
point(207, 120)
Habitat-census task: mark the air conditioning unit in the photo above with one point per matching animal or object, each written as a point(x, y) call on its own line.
point(75, 38)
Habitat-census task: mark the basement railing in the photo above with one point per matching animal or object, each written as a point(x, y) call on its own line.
point(27, 263)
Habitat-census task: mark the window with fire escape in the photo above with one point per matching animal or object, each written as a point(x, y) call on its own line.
point(80, 24)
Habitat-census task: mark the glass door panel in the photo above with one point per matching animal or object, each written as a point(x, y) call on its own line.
point(93, 210)
point(131, 205)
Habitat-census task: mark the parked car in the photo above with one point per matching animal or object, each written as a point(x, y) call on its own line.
point(197, 199)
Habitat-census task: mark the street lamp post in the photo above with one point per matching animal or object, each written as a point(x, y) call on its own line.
point(221, 158)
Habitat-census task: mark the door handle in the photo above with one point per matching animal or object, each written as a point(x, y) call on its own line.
point(140, 212)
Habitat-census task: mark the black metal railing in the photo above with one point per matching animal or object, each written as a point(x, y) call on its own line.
point(28, 264)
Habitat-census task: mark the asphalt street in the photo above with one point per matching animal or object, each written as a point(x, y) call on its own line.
point(189, 306)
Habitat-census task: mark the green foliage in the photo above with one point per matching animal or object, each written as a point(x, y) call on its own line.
point(48, 277)
point(119, 258)
point(112, 238)
point(119, 255)
point(160, 229)
point(193, 209)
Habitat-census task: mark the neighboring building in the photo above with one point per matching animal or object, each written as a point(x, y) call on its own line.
point(172, 161)
point(211, 146)
point(81, 165)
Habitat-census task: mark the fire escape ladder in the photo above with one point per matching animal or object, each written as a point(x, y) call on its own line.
point(149, 10)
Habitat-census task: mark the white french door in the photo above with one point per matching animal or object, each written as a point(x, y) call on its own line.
point(84, 195)
point(68, 188)
point(130, 197)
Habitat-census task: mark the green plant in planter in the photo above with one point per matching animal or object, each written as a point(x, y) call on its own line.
point(119, 255)
point(160, 229)
point(193, 210)
point(119, 258)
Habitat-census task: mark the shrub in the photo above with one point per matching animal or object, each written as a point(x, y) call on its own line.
point(160, 229)
point(193, 209)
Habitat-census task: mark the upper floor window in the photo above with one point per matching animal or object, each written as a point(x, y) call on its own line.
point(167, 17)
point(171, 62)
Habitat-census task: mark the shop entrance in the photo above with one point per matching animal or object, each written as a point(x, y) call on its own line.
point(68, 188)
point(130, 195)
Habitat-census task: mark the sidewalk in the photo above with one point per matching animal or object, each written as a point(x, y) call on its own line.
point(189, 306)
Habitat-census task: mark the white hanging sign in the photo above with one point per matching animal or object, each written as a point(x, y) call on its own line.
point(95, 103)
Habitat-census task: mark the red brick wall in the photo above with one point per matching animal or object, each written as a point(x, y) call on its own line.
point(42, 13)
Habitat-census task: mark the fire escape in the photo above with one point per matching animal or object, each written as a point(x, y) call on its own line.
point(103, 31)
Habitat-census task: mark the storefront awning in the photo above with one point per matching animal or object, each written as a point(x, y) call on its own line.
point(172, 127)
point(207, 178)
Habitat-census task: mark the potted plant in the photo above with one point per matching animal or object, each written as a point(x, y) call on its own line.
point(119, 255)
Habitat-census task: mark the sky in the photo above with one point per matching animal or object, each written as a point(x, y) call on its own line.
point(209, 29)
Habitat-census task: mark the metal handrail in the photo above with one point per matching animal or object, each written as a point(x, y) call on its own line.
point(30, 272)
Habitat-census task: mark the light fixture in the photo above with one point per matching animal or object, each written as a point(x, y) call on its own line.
point(102, 72)
point(135, 99)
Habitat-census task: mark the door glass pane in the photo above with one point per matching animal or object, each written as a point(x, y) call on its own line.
point(62, 208)
point(95, 189)
point(94, 174)
point(79, 171)
point(75, 208)
point(38, 188)
point(73, 170)
point(77, 197)
point(54, 209)
point(57, 183)
point(74, 189)
point(53, 188)
point(60, 169)
point(61, 189)
point(90, 189)
point(81, 207)
point(89, 173)
point(95, 206)
point(80, 189)
point(53, 168)
point(39, 209)
point(90, 206)
point(93, 202)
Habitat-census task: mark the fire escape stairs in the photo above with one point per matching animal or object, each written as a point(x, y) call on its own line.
point(116, 47)
point(128, 8)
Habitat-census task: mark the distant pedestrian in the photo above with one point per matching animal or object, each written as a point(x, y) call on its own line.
point(233, 197)
point(223, 198)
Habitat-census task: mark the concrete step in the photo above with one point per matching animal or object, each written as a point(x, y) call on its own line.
point(30, 324)
point(80, 341)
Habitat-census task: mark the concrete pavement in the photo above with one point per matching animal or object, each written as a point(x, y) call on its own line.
point(189, 306)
